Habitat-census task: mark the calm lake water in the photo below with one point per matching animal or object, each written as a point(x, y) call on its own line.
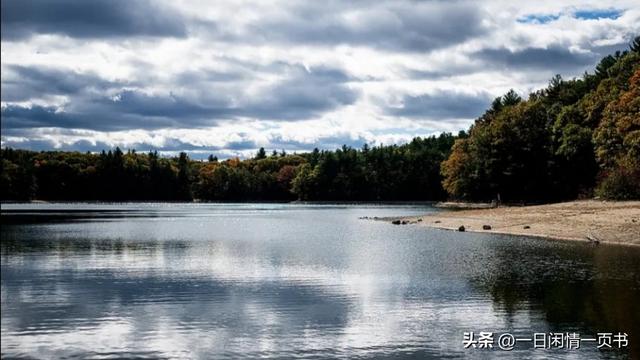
point(295, 280)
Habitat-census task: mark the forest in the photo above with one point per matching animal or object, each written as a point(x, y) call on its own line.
point(576, 138)
point(406, 172)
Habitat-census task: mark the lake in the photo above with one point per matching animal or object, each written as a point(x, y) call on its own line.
point(296, 280)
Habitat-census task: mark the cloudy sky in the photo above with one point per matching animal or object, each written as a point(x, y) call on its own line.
point(227, 77)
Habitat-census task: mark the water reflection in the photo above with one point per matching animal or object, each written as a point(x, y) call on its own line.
point(293, 281)
point(585, 289)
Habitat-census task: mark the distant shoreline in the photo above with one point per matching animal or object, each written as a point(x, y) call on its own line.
point(610, 222)
point(196, 201)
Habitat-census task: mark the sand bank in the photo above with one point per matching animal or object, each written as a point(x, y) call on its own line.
point(606, 221)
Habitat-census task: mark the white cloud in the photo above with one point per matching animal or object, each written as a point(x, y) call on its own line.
point(230, 77)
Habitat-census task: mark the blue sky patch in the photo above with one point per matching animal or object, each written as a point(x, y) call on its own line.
point(598, 14)
point(538, 18)
point(593, 14)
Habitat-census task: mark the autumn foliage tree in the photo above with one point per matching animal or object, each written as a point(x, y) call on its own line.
point(617, 142)
point(563, 142)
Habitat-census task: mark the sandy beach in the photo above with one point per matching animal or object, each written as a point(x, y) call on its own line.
point(605, 221)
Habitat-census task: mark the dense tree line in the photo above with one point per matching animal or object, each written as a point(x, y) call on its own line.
point(575, 138)
point(112, 175)
point(405, 172)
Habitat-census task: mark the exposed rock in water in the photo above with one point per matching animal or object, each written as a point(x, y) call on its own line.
point(420, 220)
point(437, 221)
point(396, 222)
point(526, 227)
point(461, 228)
point(486, 227)
point(404, 222)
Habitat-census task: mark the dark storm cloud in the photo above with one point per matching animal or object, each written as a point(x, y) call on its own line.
point(605, 50)
point(322, 142)
point(98, 104)
point(393, 25)
point(237, 145)
point(449, 71)
point(127, 110)
point(406, 26)
point(89, 19)
point(555, 58)
point(190, 77)
point(22, 117)
point(442, 105)
point(21, 83)
point(163, 106)
point(306, 93)
point(89, 107)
